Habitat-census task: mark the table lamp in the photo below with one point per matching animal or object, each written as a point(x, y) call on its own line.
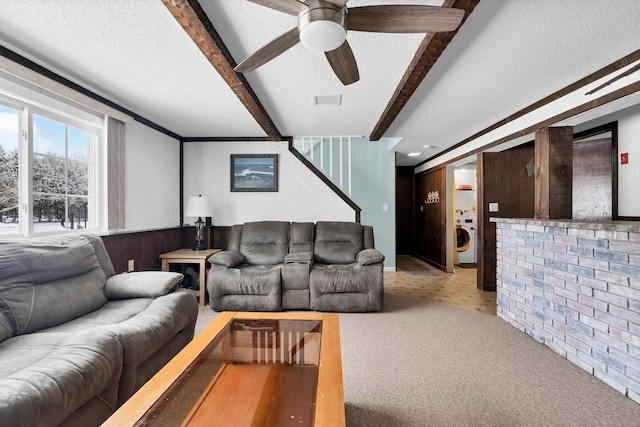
point(201, 207)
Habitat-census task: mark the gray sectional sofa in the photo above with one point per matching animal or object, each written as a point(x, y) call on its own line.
point(76, 339)
point(275, 265)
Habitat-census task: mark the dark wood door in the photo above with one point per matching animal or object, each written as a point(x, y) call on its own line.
point(431, 224)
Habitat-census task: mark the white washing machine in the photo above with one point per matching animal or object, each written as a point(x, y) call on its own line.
point(466, 237)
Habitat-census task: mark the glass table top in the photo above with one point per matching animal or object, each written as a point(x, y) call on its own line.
point(254, 372)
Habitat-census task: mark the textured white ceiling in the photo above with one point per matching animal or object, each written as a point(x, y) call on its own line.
point(507, 55)
point(132, 52)
point(287, 84)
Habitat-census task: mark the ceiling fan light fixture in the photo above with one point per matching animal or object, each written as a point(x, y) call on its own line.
point(322, 28)
point(323, 36)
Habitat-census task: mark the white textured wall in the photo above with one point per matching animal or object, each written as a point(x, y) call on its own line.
point(301, 195)
point(629, 174)
point(152, 197)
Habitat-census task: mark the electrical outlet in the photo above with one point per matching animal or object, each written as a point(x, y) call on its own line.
point(130, 266)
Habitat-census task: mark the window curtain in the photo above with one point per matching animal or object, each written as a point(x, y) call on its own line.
point(115, 173)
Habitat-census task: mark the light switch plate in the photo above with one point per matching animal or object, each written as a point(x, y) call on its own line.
point(493, 207)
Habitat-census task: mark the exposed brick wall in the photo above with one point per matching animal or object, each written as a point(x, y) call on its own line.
point(575, 287)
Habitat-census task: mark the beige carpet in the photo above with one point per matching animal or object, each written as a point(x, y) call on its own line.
point(456, 289)
point(438, 356)
point(423, 364)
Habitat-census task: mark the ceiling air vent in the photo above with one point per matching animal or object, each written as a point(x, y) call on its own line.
point(327, 100)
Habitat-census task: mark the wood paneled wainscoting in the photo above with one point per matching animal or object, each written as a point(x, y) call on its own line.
point(145, 247)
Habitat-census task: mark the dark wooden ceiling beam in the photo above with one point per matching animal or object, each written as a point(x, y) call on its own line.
point(426, 56)
point(197, 25)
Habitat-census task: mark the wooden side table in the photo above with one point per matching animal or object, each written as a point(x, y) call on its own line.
point(189, 256)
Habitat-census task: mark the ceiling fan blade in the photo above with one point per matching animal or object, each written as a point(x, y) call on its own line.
point(404, 19)
point(269, 51)
point(338, 3)
point(292, 7)
point(344, 64)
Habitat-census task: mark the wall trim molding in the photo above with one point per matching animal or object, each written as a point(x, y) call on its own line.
point(594, 103)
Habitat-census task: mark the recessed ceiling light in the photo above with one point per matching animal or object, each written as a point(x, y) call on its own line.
point(428, 146)
point(327, 100)
point(413, 154)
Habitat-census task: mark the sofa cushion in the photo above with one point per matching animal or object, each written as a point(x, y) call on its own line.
point(338, 242)
point(300, 237)
point(346, 288)
point(265, 242)
point(142, 284)
point(248, 288)
point(142, 326)
point(45, 377)
point(101, 253)
point(248, 280)
point(47, 281)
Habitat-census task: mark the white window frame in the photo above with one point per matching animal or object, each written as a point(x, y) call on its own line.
point(29, 103)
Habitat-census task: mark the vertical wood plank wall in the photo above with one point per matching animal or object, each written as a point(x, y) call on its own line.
point(145, 247)
point(502, 179)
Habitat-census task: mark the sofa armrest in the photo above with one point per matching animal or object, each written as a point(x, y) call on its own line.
point(369, 256)
point(296, 257)
point(229, 259)
point(142, 284)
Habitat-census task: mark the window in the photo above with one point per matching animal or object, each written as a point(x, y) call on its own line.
point(9, 141)
point(48, 170)
point(62, 161)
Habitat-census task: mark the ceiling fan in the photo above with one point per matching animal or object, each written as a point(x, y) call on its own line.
point(323, 26)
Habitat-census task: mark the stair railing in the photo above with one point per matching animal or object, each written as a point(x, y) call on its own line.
point(322, 151)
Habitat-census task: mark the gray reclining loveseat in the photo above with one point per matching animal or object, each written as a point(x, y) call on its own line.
point(275, 265)
point(76, 339)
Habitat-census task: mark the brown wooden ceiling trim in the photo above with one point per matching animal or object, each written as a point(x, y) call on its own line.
point(81, 89)
point(228, 139)
point(594, 103)
point(197, 25)
point(428, 53)
point(605, 71)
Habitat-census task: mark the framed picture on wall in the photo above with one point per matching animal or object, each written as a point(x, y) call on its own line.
point(254, 172)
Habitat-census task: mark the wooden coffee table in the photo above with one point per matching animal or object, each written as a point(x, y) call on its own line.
point(248, 369)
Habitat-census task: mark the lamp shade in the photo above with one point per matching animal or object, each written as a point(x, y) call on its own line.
point(199, 206)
